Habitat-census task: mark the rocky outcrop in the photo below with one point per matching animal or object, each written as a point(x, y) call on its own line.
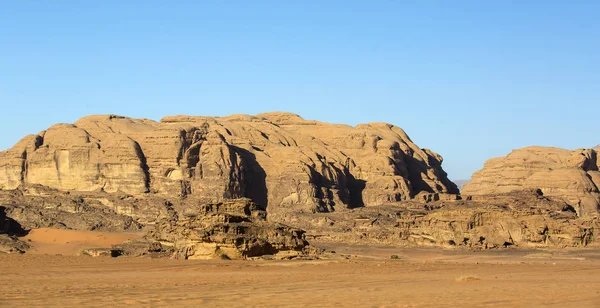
point(524, 219)
point(186, 228)
point(279, 160)
point(230, 230)
point(572, 176)
point(9, 230)
point(243, 186)
point(190, 228)
point(41, 207)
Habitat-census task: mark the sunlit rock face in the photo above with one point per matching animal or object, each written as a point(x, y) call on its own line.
point(279, 160)
point(573, 176)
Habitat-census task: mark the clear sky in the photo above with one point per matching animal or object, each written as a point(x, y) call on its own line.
point(469, 79)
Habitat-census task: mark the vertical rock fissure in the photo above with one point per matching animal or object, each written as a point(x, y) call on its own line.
point(143, 164)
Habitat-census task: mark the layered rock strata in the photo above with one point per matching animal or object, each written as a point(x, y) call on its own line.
point(572, 176)
point(229, 230)
point(280, 161)
point(524, 219)
point(186, 228)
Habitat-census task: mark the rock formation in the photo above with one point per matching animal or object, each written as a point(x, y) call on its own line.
point(234, 229)
point(223, 187)
point(572, 176)
point(186, 228)
point(524, 219)
point(279, 160)
point(9, 230)
point(191, 228)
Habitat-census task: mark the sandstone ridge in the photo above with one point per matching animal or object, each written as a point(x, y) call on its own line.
point(572, 176)
point(280, 161)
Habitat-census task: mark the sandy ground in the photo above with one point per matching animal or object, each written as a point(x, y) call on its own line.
point(369, 278)
point(70, 242)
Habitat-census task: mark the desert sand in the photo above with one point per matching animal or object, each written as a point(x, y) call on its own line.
point(69, 242)
point(364, 276)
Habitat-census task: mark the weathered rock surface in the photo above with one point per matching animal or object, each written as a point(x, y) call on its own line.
point(193, 228)
point(9, 230)
point(524, 219)
point(279, 160)
point(232, 230)
point(245, 186)
point(184, 228)
point(572, 176)
point(41, 207)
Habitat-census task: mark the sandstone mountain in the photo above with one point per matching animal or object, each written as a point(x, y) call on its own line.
point(280, 161)
point(572, 176)
point(247, 186)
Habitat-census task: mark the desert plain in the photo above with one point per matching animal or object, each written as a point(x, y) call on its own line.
point(52, 275)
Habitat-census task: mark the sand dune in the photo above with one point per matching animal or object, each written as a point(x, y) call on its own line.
point(70, 242)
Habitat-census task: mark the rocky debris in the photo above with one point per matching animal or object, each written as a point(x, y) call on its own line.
point(284, 163)
point(230, 230)
point(572, 176)
point(42, 207)
point(185, 228)
point(12, 244)
point(519, 219)
point(101, 252)
point(9, 230)
point(240, 229)
point(146, 247)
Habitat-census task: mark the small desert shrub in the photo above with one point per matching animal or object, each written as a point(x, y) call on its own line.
point(394, 257)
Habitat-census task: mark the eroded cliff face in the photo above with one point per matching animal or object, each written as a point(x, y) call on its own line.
point(572, 176)
point(279, 160)
point(191, 228)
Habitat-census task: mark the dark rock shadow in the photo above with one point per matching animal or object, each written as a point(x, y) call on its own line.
point(349, 189)
point(355, 190)
point(143, 164)
point(10, 226)
point(416, 168)
point(255, 185)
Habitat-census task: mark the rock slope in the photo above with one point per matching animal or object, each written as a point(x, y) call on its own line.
point(280, 161)
point(572, 176)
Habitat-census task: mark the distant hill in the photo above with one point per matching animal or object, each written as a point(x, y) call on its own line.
point(460, 183)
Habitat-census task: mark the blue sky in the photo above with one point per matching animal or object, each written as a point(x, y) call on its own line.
point(469, 79)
